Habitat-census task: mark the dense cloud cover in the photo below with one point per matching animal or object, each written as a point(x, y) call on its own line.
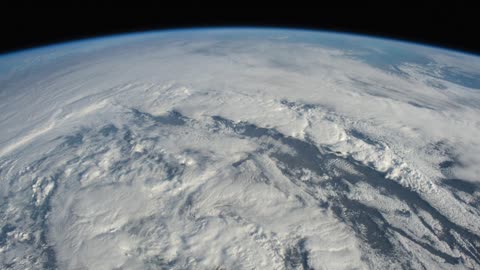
point(241, 149)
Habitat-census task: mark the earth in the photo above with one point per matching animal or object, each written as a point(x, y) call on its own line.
point(239, 148)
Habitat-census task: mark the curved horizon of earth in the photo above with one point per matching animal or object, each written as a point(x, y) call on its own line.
point(239, 148)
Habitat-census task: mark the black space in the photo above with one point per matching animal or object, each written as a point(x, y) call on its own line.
point(453, 27)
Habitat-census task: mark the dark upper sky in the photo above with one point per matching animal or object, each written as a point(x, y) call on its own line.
point(452, 27)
